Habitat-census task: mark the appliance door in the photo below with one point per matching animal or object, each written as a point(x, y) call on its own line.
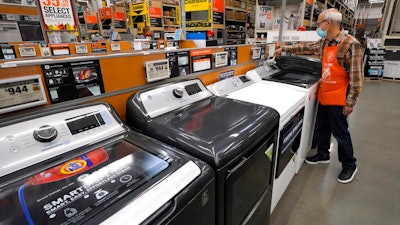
point(247, 180)
point(31, 30)
point(74, 190)
point(289, 141)
point(9, 32)
point(212, 129)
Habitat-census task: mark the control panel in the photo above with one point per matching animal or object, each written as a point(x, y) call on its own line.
point(261, 72)
point(172, 96)
point(229, 85)
point(29, 142)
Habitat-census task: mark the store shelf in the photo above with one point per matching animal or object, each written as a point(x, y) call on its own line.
point(233, 20)
point(235, 8)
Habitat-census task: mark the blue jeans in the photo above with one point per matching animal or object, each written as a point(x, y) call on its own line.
point(330, 120)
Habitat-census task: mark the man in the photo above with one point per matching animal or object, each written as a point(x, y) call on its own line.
point(339, 88)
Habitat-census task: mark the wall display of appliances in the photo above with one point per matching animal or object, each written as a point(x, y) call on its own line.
point(82, 164)
point(68, 81)
point(15, 27)
point(186, 115)
point(300, 74)
point(289, 104)
point(179, 63)
point(9, 31)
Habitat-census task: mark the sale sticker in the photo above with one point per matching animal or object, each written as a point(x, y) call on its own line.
point(57, 14)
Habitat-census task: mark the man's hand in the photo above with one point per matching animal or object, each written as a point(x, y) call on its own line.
point(278, 51)
point(347, 110)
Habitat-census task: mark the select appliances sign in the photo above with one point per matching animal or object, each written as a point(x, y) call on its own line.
point(57, 14)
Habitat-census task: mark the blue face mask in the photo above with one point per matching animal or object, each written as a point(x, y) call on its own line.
point(321, 33)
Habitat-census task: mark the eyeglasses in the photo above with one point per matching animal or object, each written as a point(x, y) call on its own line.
point(320, 23)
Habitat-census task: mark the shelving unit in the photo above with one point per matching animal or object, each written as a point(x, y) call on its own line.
point(170, 18)
point(237, 20)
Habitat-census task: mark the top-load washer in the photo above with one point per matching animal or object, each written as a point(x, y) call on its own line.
point(236, 138)
point(301, 74)
point(289, 104)
point(81, 165)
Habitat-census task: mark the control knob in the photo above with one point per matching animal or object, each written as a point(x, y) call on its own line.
point(178, 92)
point(45, 133)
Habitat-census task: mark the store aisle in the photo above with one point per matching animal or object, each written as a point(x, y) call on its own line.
point(315, 197)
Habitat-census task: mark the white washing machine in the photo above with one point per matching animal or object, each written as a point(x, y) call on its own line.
point(290, 106)
point(300, 74)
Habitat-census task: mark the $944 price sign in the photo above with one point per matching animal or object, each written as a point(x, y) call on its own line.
point(19, 93)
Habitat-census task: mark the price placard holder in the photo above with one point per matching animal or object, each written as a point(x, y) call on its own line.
point(21, 92)
point(157, 70)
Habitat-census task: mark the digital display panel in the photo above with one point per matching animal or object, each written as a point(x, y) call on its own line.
point(85, 123)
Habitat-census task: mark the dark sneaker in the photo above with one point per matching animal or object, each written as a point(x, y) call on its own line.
point(317, 159)
point(347, 175)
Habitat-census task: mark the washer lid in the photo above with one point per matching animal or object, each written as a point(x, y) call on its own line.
point(286, 101)
point(82, 187)
point(215, 129)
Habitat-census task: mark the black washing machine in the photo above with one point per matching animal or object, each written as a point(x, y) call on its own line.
point(238, 139)
point(81, 165)
point(299, 71)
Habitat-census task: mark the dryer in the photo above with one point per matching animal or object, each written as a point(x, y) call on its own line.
point(81, 165)
point(301, 74)
point(236, 138)
point(289, 104)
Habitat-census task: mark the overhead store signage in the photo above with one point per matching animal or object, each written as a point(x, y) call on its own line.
point(196, 5)
point(218, 11)
point(155, 9)
point(21, 92)
point(57, 14)
point(265, 18)
point(105, 13)
point(138, 9)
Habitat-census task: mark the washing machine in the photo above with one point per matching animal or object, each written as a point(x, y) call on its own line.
point(82, 165)
point(236, 138)
point(301, 74)
point(289, 104)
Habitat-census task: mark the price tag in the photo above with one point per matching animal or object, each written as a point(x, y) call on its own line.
point(81, 49)
point(27, 51)
point(115, 46)
point(157, 70)
point(21, 92)
point(256, 53)
point(221, 59)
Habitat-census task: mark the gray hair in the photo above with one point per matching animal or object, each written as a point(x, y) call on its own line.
point(334, 16)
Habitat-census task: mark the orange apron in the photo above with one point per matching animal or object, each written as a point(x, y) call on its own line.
point(335, 80)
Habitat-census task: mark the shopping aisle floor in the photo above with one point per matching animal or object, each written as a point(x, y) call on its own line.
point(314, 197)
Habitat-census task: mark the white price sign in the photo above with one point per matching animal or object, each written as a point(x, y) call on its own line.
point(81, 49)
point(21, 92)
point(115, 46)
point(27, 51)
point(256, 53)
point(157, 70)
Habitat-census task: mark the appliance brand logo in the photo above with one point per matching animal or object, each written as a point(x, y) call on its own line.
point(73, 166)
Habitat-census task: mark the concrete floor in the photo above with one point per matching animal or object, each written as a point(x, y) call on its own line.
point(314, 197)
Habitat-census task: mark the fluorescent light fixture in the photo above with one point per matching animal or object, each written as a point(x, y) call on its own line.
point(376, 1)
